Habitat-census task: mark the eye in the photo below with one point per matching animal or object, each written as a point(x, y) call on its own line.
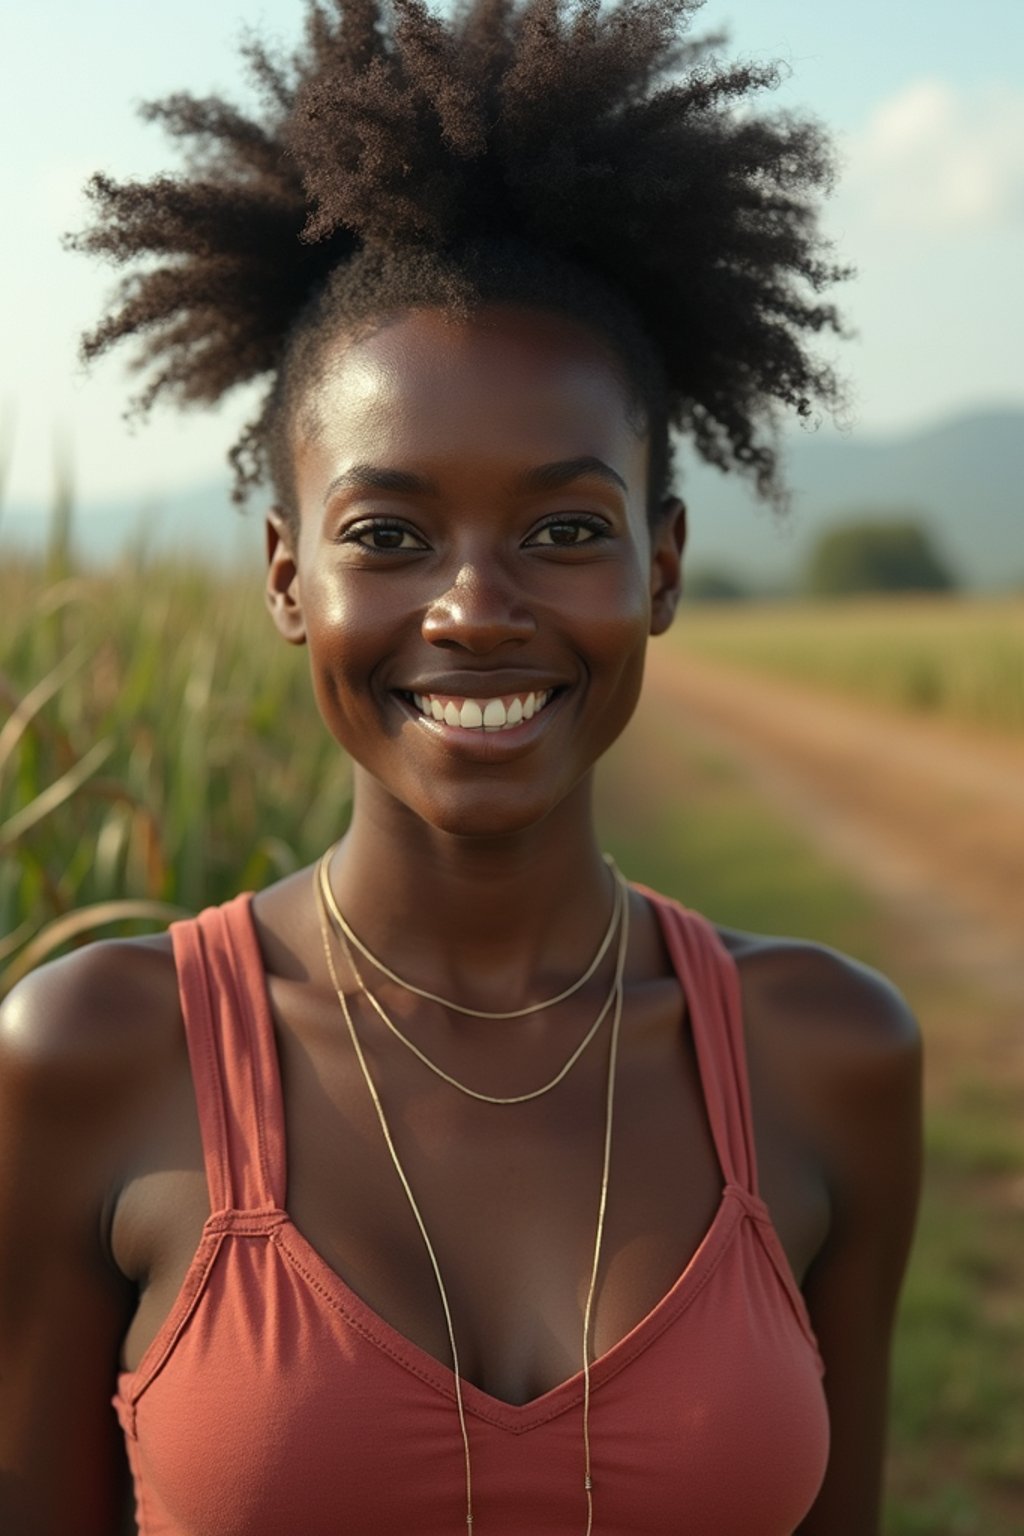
point(570, 531)
point(383, 536)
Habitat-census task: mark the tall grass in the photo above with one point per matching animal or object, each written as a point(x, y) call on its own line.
point(957, 658)
point(161, 748)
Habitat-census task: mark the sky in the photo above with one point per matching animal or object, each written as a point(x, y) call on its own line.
point(925, 99)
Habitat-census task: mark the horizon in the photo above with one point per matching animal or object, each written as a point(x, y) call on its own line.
point(973, 458)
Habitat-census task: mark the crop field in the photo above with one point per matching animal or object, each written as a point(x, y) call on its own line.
point(159, 747)
point(160, 750)
point(960, 659)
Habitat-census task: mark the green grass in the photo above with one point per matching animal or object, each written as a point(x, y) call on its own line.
point(957, 658)
point(172, 754)
point(704, 836)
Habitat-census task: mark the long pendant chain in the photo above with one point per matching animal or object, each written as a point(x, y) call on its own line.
point(473, 1093)
point(355, 942)
point(620, 965)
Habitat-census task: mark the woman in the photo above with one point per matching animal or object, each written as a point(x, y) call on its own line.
point(455, 1183)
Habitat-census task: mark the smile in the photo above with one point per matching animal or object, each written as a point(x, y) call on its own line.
point(493, 714)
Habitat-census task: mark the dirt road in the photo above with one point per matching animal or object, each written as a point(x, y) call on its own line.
point(928, 817)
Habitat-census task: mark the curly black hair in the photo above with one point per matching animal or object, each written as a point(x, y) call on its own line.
point(592, 159)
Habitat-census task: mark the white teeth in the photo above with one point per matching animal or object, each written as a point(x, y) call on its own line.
point(486, 714)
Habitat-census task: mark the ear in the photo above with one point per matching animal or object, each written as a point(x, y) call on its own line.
point(668, 537)
point(282, 588)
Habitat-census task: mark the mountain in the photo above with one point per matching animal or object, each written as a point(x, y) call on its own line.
point(963, 478)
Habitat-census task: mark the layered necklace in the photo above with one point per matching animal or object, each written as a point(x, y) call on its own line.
point(327, 909)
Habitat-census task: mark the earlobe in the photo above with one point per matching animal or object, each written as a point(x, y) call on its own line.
point(282, 585)
point(668, 539)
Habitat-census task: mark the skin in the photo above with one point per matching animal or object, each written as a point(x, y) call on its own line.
point(472, 866)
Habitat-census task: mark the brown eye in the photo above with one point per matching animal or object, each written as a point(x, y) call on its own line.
point(387, 538)
point(383, 537)
point(570, 532)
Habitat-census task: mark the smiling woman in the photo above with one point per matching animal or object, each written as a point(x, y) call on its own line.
point(456, 1184)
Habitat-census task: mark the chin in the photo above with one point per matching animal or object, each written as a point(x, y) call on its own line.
point(479, 815)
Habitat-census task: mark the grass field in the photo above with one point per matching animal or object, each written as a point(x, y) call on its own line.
point(959, 658)
point(158, 745)
point(152, 752)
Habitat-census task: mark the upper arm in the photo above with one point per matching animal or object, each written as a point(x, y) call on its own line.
point(67, 1109)
point(867, 1123)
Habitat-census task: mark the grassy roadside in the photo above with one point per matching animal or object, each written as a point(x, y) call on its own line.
point(957, 658)
point(696, 828)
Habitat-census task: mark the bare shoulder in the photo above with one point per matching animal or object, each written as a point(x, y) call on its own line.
point(79, 1032)
point(828, 1002)
point(833, 1041)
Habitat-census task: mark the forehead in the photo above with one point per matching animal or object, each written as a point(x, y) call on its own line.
point(502, 390)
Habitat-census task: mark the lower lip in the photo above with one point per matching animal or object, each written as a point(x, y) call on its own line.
point(482, 745)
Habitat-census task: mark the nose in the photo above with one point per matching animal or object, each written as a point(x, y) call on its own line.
point(480, 611)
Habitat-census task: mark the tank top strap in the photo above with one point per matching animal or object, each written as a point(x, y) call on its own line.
point(710, 981)
point(230, 1035)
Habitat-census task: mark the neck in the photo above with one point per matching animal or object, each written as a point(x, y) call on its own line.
point(495, 922)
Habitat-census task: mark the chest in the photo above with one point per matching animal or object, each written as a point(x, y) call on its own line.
point(508, 1195)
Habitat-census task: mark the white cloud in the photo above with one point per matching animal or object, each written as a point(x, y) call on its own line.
point(937, 159)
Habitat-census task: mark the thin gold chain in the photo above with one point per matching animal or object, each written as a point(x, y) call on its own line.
point(477, 1013)
point(473, 1093)
point(620, 964)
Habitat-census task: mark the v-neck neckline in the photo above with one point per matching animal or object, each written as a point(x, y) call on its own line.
point(734, 1204)
point(517, 1417)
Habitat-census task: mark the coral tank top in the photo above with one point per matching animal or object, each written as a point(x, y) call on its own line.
point(275, 1402)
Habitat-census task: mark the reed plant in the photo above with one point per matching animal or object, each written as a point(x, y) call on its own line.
point(159, 749)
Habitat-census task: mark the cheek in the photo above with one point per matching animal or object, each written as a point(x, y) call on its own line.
point(348, 630)
point(613, 612)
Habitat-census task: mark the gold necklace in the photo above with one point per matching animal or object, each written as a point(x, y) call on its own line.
point(447, 1002)
point(473, 1093)
point(620, 965)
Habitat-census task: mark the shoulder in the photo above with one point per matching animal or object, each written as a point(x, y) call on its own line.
point(835, 1046)
point(827, 998)
point(78, 1032)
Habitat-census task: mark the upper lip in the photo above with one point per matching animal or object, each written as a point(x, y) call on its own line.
point(482, 685)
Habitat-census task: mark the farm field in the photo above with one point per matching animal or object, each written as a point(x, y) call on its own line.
point(159, 745)
point(960, 659)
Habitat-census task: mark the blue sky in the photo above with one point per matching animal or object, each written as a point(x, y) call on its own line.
point(926, 101)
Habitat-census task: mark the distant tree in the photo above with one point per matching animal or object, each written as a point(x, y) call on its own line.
point(714, 585)
point(876, 556)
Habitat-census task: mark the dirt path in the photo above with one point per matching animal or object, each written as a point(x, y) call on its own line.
point(928, 817)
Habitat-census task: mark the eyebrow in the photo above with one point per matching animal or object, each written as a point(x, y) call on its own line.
point(550, 477)
point(374, 477)
point(545, 477)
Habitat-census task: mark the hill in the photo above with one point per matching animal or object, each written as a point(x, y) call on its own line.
point(964, 477)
